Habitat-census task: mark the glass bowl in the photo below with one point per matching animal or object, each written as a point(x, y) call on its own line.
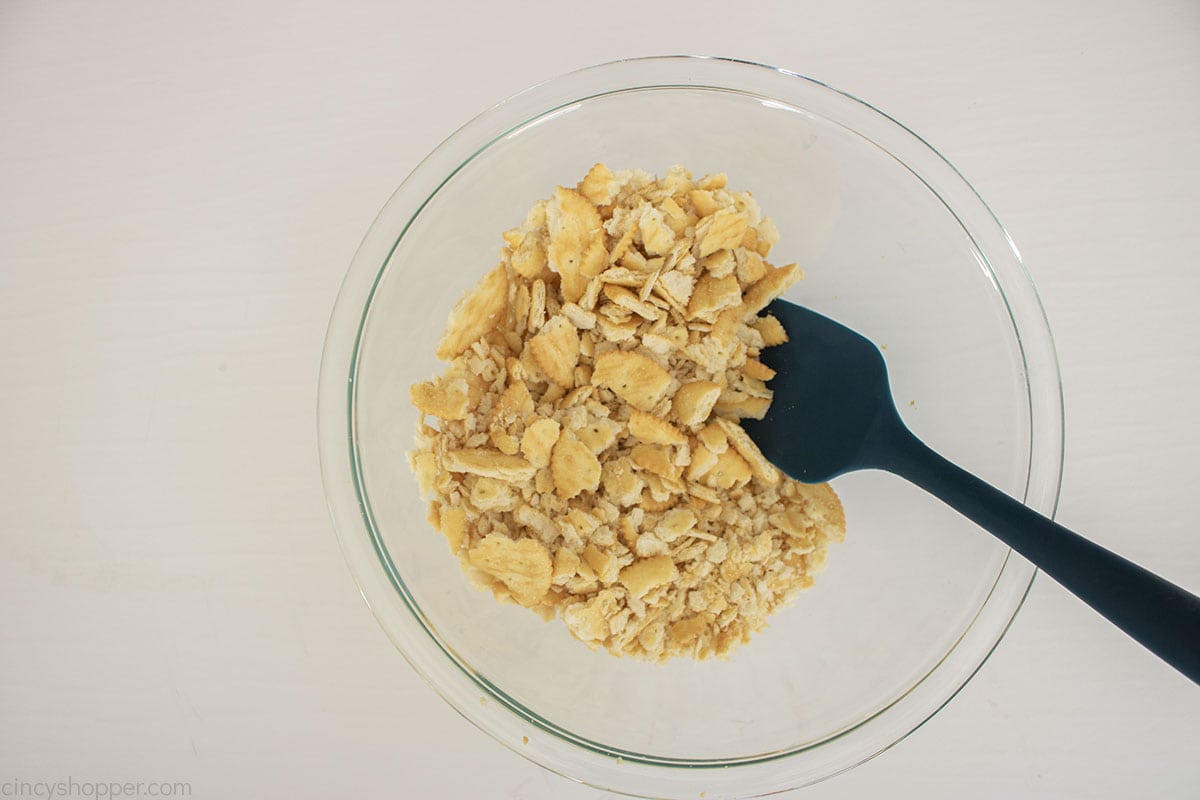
point(896, 244)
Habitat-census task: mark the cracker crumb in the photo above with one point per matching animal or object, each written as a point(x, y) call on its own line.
point(582, 454)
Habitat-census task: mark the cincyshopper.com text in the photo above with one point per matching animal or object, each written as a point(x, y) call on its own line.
point(92, 789)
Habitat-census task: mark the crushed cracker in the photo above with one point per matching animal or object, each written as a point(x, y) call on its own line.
point(582, 453)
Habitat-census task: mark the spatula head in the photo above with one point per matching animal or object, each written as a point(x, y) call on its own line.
point(831, 397)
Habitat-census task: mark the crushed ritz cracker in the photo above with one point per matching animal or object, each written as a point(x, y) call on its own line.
point(586, 459)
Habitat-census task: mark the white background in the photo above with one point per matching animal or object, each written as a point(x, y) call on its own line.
point(182, 186)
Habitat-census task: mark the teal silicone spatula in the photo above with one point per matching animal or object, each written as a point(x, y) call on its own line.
point(833, 413)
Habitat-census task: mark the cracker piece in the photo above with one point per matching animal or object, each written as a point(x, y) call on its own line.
point(599, 186)
point(523, 566)
point(758, 370)
point(633, 377)
point(446, 398)
point(694, 401)
point(770, 286)
point(574, 226)
point(489, 464)
point(453, 525)
point(763, 469)
point(574, 467)
point(647, 573)
point(555, 349)
point(654, 430)
point(723, 229)
point(538, 441)
point(712, 295)
point(771, 330)
point(475, 314)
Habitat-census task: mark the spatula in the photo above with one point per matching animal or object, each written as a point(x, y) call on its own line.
point(833, 413)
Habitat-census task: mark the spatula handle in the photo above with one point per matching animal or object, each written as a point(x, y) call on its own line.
point(1157, 613)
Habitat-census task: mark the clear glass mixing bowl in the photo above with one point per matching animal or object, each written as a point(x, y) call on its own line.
point(895, 244)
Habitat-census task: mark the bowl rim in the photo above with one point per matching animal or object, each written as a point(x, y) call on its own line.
point(507, 720)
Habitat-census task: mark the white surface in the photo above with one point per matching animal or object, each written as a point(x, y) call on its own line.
point(181, 189)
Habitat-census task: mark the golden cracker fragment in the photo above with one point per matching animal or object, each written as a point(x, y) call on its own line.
point(565, 563)
point(602, 562)
point(704, 493)
point(574, 467)
point(615, 313)
point(712, 295)
point(702, 200)
point(424, 466)
point(475, 314)
point(703, 460)
point(730, 470)
point(514, 405)
point(773, 284)
point(654, 459)
point(489, 464)
point(599, 186)
point(657, 236)
point(771, 330)
point(622, 245)
point(676, 217)
point(743, 406)
point(590, 294)
point(763, 469)
point(504, 441)
point(709, 354)
point(580, 393)
point(822, 506)
point(694, 402)
point(599, 434)
point(723, 229)
point(628, 300)
point(675, 523)
point(686, 631)
point(529, 257)
point(588, 621)
point(633, 377)
point(446, 398)
point(453, 525)
point(719, 264)
point(537, 305)
point(749, 240)
point(513, 237)
point(622, 484)
point(750, 266)
point(489, 494)
point(617, 331)
point(653, 430)
point(579, 317)
point(575, 232)
point(644, 294)
point(584, 523)
point(768, 236)
point(677, 181)
point(713, 437)
point(555, 349)
point(539, 440)
point(659, 345)
point(677, 287)
point(758, 370)
point(647, 573)
point(623, 276)
point(724, 330)
point(523, 566)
